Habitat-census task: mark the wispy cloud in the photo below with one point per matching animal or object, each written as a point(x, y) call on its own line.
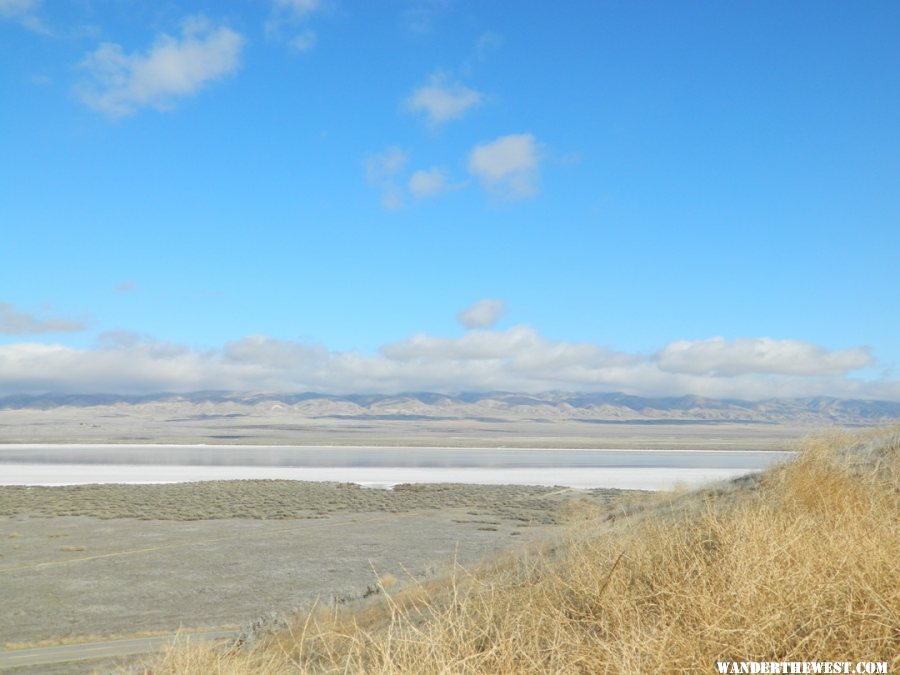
point(383, 170)
point(285, 21)
point(119, 83)
point(299, 8)
point(14, 321)
point(421, 16)
point(482, 314)
point(508, 167)
point(487, 43)
point(425, 184)
point(25, 13)
point(442, 101)
point(386, 164)
point(303, 41)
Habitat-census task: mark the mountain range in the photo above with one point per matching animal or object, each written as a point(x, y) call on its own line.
point(599, 408)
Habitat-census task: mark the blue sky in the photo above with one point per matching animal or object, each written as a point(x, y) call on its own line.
point(657, 198)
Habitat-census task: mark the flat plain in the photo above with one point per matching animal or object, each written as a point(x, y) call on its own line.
point(184, 422)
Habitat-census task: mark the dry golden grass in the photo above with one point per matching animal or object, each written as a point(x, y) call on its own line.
point(802, 566)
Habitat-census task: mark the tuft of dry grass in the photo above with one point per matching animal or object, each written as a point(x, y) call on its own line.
point(801, 565)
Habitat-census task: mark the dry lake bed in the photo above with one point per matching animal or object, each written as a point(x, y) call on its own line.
point(96, 556)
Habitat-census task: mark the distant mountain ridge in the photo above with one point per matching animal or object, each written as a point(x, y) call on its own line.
point(500, 406)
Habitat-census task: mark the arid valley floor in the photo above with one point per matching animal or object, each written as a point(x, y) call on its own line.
point(83, 561)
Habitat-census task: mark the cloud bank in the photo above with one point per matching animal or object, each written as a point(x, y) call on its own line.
point(514, 359)
point(718, 357)
point(118, 83)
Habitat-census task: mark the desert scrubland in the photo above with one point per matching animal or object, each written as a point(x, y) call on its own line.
point(797, 563)
point(81, 563)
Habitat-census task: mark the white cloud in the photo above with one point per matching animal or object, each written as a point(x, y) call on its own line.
point(508, 166)
point(515, 359)
point(32, 367)
point(382, 170)
point(430, 183)
point(441, 101)
point(16, 322)
point(518, 350)
point(721, 358)
point(120, 83)
point(518, 358)
point(24, 12)
point(482, 314)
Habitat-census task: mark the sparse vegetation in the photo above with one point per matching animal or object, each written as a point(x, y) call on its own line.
point(280, 499)
point(801, 564)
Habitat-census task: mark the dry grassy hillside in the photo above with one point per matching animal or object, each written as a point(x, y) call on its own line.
point(799, 565)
